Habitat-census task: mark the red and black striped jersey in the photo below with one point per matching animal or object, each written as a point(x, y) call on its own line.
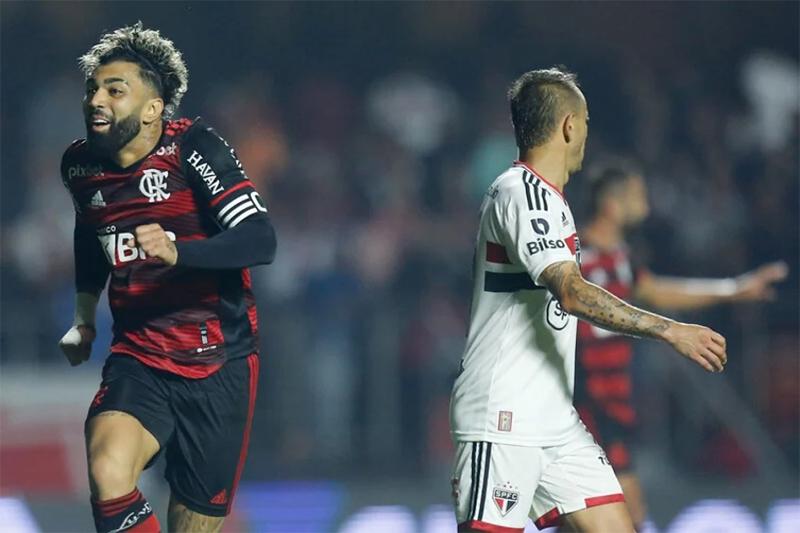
point(185, 320)
point(604, 357)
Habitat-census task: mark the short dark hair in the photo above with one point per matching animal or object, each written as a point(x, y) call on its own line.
point(160, 62)
point(605, 176)
point(537, 101)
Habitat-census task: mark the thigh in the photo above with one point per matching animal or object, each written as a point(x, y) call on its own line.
point(601, 519)
point(577, 476)
point(633, 497)
point(181, 519)
point(129, 416)
point(213, 417)
point(493, 485)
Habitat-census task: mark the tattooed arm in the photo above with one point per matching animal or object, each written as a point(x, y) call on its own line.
point(599, 307)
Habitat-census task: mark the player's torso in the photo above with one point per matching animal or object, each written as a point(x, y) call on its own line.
point(516, 380)
point(604, 357)
point(158, 310)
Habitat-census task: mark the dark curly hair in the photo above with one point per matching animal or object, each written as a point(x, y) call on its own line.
point(605, 175)
point(160, 62)
point(537, 100)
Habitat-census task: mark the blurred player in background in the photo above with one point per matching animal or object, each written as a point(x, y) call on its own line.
point(520, 446)
point(603, 380)
point(165, 209)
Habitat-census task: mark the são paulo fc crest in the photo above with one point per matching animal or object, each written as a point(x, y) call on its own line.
point(505, 498)
point(556, 316)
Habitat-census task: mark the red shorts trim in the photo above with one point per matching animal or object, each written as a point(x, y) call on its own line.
point(252, 361)
point(491, 528)
point(553, 516)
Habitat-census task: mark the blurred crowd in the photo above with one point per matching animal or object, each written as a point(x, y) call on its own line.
point(374, 166)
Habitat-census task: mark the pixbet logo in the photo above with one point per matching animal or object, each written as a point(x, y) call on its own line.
point(167, 150)
point(85, 171)
point(118, 251)
point(540, 244)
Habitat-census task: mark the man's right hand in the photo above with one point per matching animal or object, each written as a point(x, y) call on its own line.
point(702, 345)
point(77, 344)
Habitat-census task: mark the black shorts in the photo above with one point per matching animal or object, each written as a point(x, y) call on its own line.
point(614, 437)
point(203, 425)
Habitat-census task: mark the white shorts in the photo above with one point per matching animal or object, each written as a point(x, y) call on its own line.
point(497, 486)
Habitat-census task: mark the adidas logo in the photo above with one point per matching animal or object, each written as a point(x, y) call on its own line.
point(221, 498)
point(97, 200)
point(564, 220)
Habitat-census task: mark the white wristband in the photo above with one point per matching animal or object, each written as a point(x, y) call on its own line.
point(85, 309)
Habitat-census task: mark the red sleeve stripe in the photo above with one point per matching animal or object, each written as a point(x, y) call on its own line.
point(570, 242)
point(496, 253)
point(236, 187)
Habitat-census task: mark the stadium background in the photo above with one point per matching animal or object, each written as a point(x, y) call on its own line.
point(373, 130)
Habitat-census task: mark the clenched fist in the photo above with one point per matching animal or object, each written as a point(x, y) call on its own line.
point(77, 344)
point(155, 242)
point(702, 345)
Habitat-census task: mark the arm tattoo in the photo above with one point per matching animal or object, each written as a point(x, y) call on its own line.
point(599, 307)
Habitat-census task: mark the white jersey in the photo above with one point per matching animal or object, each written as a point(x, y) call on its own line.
point(518, 371)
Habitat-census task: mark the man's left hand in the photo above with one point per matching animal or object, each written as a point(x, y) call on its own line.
point(756, 285)
point(156, 243)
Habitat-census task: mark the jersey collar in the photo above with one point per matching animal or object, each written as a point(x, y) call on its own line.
point(521, 164)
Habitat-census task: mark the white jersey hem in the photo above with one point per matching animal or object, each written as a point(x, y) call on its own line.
point(502, 439)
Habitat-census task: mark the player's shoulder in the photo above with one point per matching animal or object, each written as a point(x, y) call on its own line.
point(178, 129)
point(77, 148)
point(199, 135)
point(77, 161)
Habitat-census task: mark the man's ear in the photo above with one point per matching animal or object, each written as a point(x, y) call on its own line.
point(153, 110)
point(568, 127)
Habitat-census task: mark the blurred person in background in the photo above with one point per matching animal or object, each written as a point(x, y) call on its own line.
point(521, 449)
point(165, 209)
point(618, 203)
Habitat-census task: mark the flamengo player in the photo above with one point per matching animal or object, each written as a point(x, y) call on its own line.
point(165, 209)
point(520, 446)
point(602, 377)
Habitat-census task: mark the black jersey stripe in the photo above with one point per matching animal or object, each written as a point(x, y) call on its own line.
point(528, 193)
point(499, 282)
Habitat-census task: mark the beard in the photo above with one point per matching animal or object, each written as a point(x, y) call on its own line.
point(118, 135)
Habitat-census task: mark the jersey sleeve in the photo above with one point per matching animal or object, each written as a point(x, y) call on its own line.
point(66, 161)
point(214, 171)
point(91, 264)
point(531, 232)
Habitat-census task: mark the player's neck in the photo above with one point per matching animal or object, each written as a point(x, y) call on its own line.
point(603, 234)
point(549, 164)
point(140, 146)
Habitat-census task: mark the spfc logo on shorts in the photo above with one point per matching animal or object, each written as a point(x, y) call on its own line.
point(505, 499)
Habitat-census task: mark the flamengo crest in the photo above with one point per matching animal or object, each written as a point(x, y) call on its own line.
point(154, 184)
